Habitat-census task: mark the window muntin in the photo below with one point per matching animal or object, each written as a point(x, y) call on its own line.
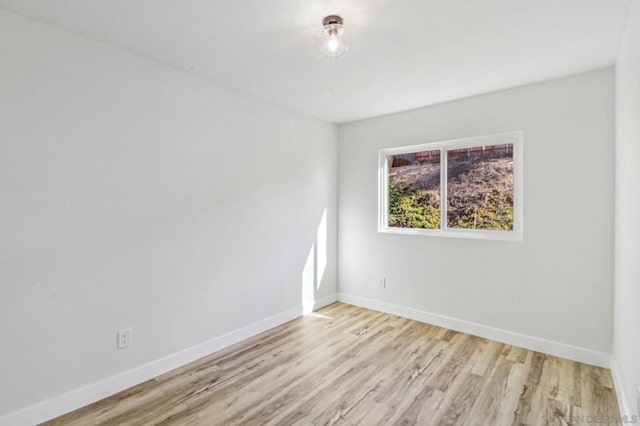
point(480, 178)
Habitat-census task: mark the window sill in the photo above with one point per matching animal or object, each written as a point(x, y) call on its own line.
point(456, 233)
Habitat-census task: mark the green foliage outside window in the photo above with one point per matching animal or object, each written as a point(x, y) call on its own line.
point(413, 208)
point(493, 210)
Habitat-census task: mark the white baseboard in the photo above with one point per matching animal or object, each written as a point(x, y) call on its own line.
point(93, 392)
point(623, 402)
point(550, 347)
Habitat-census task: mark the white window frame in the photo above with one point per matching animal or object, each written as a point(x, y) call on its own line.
point(513, 138)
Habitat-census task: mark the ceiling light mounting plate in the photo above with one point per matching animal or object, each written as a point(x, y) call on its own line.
point(332, 20)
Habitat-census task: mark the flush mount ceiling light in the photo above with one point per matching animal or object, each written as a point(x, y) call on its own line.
point(334, 40)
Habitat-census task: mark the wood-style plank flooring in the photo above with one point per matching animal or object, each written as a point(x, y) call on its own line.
point(348, 365)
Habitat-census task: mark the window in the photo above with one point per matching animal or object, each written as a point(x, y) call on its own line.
point(468, 188)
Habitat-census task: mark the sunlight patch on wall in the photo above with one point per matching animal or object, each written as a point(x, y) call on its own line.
point(308, 282)
point(321, 241)
point(315, 266)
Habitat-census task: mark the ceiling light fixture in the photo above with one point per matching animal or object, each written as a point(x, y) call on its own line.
point(334, 40)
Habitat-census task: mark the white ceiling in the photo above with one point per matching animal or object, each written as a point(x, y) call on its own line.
point(406, 53)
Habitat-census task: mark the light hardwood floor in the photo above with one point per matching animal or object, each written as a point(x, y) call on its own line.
point(348, 365)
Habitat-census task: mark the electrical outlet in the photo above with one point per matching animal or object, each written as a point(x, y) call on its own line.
point(124, 338)
point(382, 281)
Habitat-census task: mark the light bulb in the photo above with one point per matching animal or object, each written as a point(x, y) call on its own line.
point(332, 44)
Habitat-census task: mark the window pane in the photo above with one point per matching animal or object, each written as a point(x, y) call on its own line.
point(414, 190)
point(480, 188)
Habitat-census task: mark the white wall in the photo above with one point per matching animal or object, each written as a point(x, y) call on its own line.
point(135, 195)
point(555, 287)
point(626, 343)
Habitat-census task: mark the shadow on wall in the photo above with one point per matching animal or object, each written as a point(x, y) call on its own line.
point(314, 267)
